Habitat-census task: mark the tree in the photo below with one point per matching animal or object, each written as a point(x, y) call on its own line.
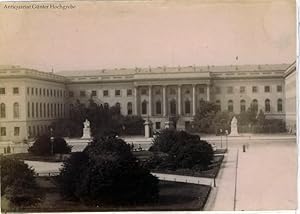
point(18, 184)
point(107, 172)
point(184, 150)
point(44, 146)
point(204, 117)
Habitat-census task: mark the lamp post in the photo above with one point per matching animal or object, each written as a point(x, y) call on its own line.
point(52, 140)
point(226, 131)
point(221, 132)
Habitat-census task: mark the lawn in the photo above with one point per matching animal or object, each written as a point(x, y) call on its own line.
point(173, 196)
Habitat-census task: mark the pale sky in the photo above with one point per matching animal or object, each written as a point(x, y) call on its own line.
point(118, 34)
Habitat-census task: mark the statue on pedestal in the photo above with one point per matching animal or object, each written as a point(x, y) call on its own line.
point(86, 130)
point(234, 131)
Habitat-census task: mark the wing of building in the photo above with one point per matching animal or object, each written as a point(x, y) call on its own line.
point(31, 100)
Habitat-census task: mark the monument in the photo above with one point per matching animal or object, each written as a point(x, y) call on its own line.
point(147, 126)
point(234, 130)
point(86, 130)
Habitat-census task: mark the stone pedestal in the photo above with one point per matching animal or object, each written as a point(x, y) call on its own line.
point(86, 133)
point(147, 129)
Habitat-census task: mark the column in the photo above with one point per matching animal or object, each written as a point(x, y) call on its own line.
point(150, 100)
point(194, 100)
point(135, 101)
point(208, 92)
point(179, 99)
point(164, 102)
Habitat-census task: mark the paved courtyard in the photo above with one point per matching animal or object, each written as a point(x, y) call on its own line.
point(262, 178)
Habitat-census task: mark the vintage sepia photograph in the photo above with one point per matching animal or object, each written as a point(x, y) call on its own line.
point(148, 105)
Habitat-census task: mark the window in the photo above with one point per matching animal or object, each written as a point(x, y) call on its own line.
point(129, 108)
point(230, 105)
point(94, 93)
point(82, 93)
point(106, 105)
point(187, 107)
point(243, 105)
point(105, 93)
point(267, 89)
point(172, 91)
point(2, 90)
point(36, 91)
point(40, 91)
point(37, 110)
point(254, 89)
point(16, 131)
point(3, 131)
point(44, 92)
point(71, 94)
point(29, 131)
point(157, 125)
point(16, 110)
point(28, 109)
point(41, 110)
point(201, 90)
point(16, 90)
point(45, 110)
point(51, 92)
point(2, 110)
point(229, 89)
point(218, 104)
point(279, 105)
point(144, 107)
point(28, 90)
point(187, 91)
point(267, 105)
point(157, 92)
point(48, 110)
point(158, 107)
point(254, 105)
point(129, 92)
point(144, 91)
point(187, 124)
point(173, 107)
point(279, 88)
point(117, 92)
point(47, 92)
point(218, 90)
point(32, 91)
point(118, 106)
point(242, 89)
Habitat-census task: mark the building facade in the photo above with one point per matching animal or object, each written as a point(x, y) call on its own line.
point(31, 100)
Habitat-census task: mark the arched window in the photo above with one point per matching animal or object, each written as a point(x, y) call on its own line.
point(267, 105)
point(106, 106)
point(16, 110)
point(187, 107)
point(218, 104)
point(173, 107)
point(118, 106)
point(255, 105)
point(243, 105)
point(2, 110)
point(279, 105)
point(158, 107)
point(230, 105)
point(144, 107)
point(129, 108)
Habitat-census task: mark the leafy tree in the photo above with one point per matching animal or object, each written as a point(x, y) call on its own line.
point(205, 115)
point(44, 146)
point(18, 184)
point(107, 172)
point(184, 150)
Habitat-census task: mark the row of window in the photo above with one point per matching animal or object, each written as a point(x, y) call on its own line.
point(46, 92)
point(105, 93)
point(38, 130)
point(3, 131)
point(16, 110)
point(15, 90)
point(254, 105)
point(45, 110)
point(230, 89)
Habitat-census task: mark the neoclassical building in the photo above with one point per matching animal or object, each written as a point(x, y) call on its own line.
point(31, 100)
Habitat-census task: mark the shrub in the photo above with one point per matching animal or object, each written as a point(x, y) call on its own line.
point(43, 146)
point(107, 172)
point(18, 184)
point(184, 150)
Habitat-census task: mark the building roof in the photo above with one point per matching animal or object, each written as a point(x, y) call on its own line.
point(163, 69)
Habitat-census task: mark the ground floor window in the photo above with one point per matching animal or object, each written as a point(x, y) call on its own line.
point(3, 131)
point(157, 125)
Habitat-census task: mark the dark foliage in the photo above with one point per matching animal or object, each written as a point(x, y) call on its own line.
point(183, 151)
point(43, 146)
point(107, 172)
point(18, 184)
